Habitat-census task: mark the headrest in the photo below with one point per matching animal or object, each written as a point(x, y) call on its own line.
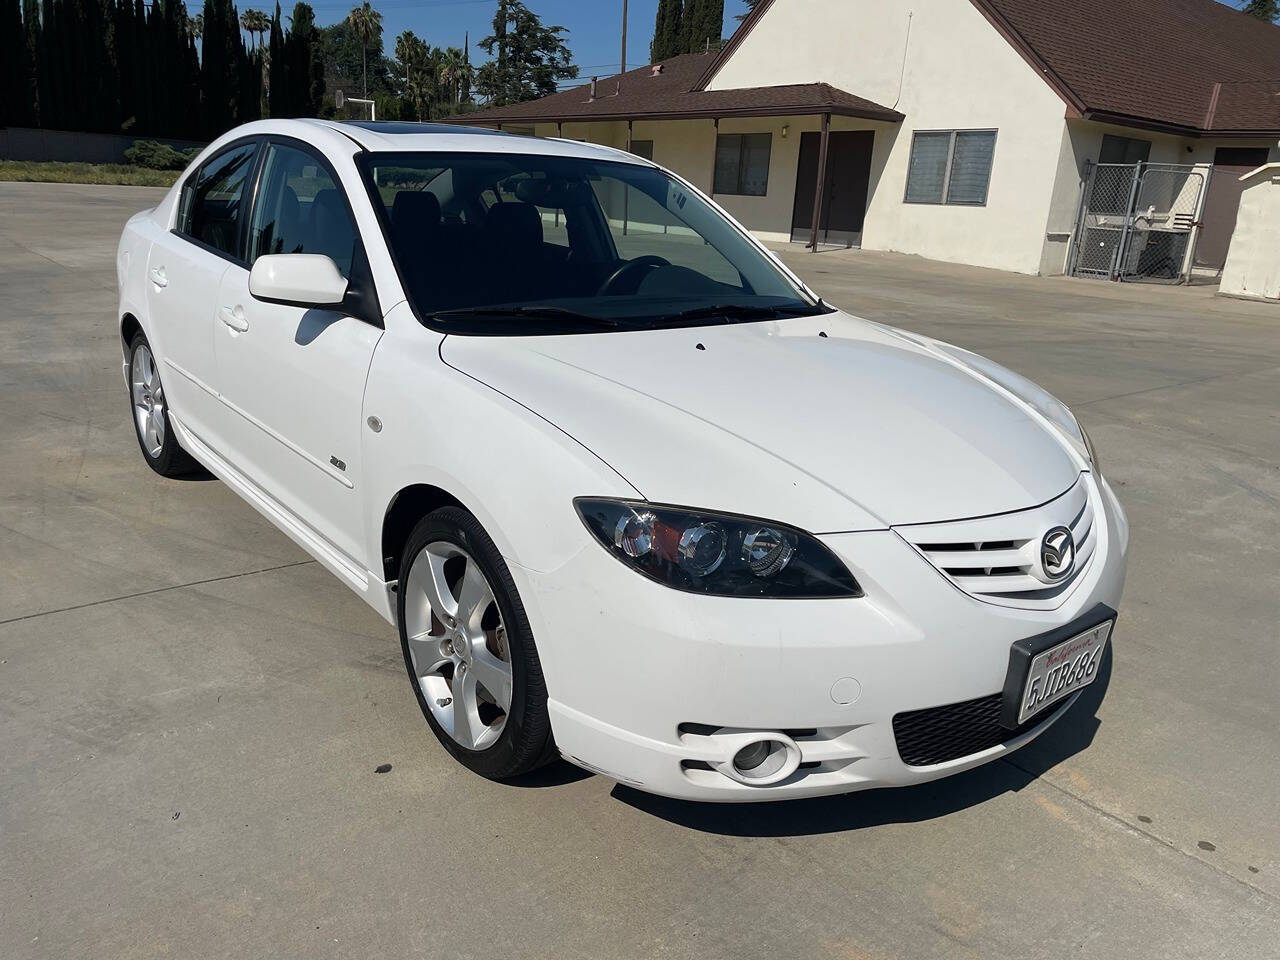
point(514, 223)
point(415, 208)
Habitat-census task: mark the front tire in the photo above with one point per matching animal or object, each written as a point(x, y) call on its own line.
point(469, 650)
point(150, 408)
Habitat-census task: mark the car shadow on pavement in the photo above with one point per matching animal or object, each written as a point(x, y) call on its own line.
point(854, 811)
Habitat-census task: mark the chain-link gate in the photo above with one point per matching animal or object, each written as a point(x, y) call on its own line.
point(1138, 221)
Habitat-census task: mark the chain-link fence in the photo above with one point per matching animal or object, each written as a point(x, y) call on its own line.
point(1138, 221)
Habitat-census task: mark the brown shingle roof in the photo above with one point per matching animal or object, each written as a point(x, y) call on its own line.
point(1154, 61)
point(1150, 62)
point(640, 94)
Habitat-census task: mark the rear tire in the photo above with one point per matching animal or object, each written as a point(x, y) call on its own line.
point(149, 407)
point(463, 631)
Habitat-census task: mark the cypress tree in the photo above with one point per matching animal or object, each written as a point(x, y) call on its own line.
point(223, 70)
point(306, 69)
point(702, 24)
point(125, 52)
point(277, 70)
point(667, 39)
point(17, 95)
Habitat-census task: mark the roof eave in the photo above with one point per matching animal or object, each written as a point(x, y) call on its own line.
point(1181, 130)
point(702, 113)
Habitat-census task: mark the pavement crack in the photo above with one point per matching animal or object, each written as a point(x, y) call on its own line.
point(1132, 828)
point(1180, 383)
point(147, 593)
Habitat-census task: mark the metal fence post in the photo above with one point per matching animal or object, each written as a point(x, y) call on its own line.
point(1086, 187)
point(1126, 234)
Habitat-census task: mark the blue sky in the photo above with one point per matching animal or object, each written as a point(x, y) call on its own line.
point(594, 25)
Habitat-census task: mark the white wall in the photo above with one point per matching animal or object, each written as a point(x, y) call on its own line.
point(1082, 143)
point(1253, 262)
point(944, 66)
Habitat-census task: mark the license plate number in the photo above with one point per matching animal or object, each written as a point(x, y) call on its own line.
point(1062, 670)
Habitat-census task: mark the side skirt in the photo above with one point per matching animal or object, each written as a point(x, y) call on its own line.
point(373, 590)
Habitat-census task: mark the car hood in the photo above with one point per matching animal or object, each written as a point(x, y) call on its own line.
point(830, 423)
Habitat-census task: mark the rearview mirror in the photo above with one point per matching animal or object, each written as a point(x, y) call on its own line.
point(298, 280)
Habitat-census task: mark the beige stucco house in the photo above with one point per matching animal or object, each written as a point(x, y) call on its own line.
point(960, 130)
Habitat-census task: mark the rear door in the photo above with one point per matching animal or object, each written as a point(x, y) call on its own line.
point(291, 379)
point(184, 271)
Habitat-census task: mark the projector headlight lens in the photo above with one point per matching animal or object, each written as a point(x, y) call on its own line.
point(701, 551)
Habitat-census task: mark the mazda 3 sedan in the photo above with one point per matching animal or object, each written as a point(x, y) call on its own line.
point(631, 492)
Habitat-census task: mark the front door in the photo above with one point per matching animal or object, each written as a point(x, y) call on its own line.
point(291, 379)
point(844, 195)
point(1222, 202)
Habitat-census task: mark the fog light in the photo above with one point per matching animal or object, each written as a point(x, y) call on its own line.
point(760, 760)
point(752, 755)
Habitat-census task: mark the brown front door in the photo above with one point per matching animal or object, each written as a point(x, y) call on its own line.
point(1222, 203)
point(844, 197)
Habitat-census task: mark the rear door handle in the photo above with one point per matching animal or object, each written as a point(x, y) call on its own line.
point(234, 318)
point(158, 277)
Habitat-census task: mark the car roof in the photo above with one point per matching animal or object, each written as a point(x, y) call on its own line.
point(398, 136)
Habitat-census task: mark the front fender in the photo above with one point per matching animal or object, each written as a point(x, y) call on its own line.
point(515, 471)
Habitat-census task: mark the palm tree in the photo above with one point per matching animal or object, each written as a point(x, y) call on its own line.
point(366, 24)
point(419, 82)
point(255, 23)
point(195, 25)
point(454, 72)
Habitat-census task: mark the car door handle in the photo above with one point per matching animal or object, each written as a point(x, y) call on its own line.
point(158, 277)
point(234, 318)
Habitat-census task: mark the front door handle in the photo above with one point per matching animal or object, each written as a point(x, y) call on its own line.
point(234, 318)
point(158, 277)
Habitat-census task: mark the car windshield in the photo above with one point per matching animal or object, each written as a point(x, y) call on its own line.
point(517, 244)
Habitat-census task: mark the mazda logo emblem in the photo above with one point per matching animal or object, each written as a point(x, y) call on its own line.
point(1057, 554)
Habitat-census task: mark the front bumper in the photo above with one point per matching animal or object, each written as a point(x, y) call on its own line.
point(656, 688)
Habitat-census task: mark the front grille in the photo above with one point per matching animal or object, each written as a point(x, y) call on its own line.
point(995, 559)
point(938, 734)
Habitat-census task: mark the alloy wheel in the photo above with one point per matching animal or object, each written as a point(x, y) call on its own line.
point(148, 400)
point(458, 644)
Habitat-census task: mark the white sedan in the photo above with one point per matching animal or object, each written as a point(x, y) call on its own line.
point(632, 493)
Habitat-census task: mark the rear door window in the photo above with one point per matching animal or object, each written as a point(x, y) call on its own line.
point(214, 201)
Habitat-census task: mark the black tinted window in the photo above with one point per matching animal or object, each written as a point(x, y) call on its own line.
point(213, 202)
point(300, 209)
point(608, 241)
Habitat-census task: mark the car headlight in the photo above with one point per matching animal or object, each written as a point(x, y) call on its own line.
point(701, 551)
point(1039, 399)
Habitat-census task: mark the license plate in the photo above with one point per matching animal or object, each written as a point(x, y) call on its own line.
point(1063, 669)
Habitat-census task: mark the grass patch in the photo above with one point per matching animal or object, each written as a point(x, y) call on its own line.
point(55, 172)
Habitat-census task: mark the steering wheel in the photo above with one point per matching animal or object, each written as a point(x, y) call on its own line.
point(631, 269)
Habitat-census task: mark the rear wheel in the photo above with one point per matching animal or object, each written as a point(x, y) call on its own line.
point(469, 650)
point(150, 409)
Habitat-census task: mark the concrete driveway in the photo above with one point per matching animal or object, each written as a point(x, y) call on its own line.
point(191, 712)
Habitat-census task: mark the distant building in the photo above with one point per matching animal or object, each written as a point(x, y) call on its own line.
point(959, 130)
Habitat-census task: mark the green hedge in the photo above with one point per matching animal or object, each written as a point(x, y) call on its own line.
point(155, 155)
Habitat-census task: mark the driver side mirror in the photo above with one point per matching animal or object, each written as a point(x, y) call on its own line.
point(298, 280)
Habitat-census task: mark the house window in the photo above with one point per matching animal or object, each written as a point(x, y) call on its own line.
point(742, 163)
point(642, 148)
point(950, 166)
point(1123, 150)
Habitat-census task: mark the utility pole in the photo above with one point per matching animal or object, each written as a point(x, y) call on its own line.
point(624, 37)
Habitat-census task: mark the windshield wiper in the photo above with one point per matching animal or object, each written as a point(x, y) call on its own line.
point(727, 311)
point(545, 313)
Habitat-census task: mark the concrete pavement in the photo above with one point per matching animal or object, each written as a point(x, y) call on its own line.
point(191, 712)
